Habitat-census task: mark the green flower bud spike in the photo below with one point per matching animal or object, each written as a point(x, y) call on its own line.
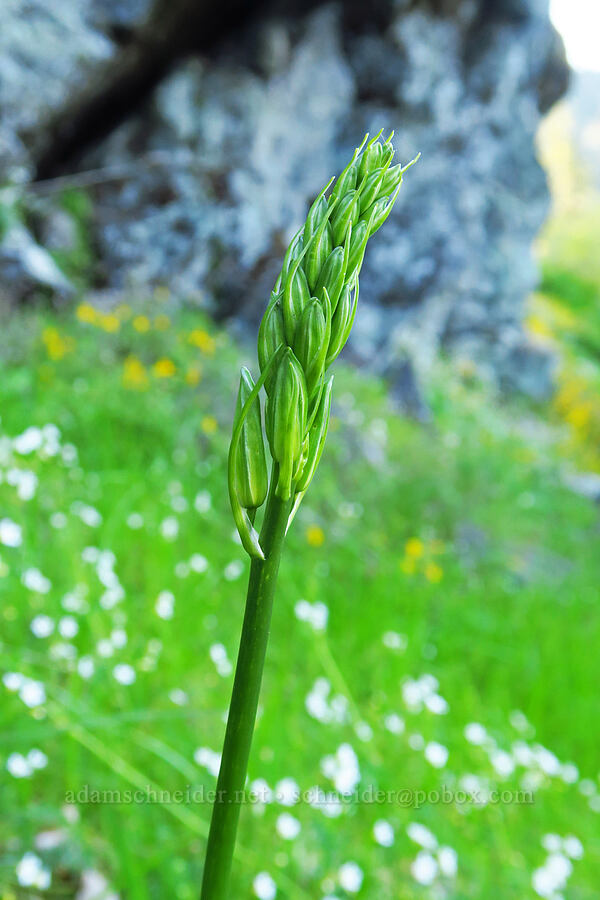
point(304, 328)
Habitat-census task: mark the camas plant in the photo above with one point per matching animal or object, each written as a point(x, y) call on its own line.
point(304, 329)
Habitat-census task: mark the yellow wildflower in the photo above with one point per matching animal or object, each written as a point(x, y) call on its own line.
point(433, 572)
point(538, 326)
point(414, 547)
point(202, 339)
point(164, 368)
point(85, 312)
point(162, 322)
point(109, 322)
point(579, 416)
point(134, 374)
point(57, 346)
point(315, 536)
point(209, 424)
point(141, 324)
point(193, 375)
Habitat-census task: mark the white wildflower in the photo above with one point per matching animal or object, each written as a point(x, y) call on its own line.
point(86, 667)
point(447, 858)
point(203, 502)
point(288, 827)
point(18, 766)
point(31, 439)
point(233, 570)
point(208, 759)
point(287, 792)
point(394, 641)
point(383, 833)
point(198, 563)
point(42, 626)
point(68, 627)
point(165, 605)
point(264, 887)
point(32, 693)
point(342, 768)
point(33, 580)
point(31, 872)
point(424, 868)
point(436, 754)
point(351, 876)
point(421, 835)
point(316, 614)
point(169, 528)
point(11, 534)
point(124, 673)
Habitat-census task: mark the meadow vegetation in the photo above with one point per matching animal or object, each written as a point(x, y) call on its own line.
point(434, 632)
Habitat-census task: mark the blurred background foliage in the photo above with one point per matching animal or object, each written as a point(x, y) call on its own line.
point(565, 311)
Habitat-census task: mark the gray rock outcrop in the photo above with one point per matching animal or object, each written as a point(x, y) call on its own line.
point(214, 172)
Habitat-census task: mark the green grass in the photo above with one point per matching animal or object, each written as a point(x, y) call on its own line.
point(501, 608)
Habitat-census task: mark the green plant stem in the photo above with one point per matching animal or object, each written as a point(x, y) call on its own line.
point(244, 701)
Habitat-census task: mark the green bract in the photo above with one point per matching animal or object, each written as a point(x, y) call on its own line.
point(286, 420)
point(251, 475)
point(304, 328)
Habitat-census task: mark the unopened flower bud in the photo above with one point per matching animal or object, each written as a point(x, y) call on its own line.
point(387, 151)
point(286, 419)
point(346, 182)
point(314, 218)
point(291, 255)
point(346, 212)
point(251, 481)
point(370, 189)
point(296, 295)
point(358, 243)
point(390, 181)
point(310, 345)
point(371, 158)
point(341, 323)
point(316, 439)
point(302, 460)
point(270, 336)
point(317, 253)
point(379, 211)
point(332, 276)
